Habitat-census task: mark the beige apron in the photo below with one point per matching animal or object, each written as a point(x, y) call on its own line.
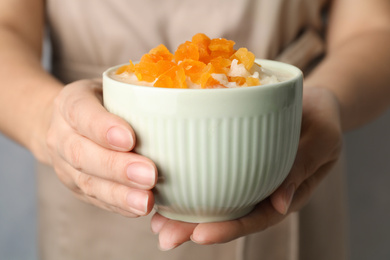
point(91, 35)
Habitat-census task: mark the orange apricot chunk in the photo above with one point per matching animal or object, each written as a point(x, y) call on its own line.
point(187, 50)
point(164, 65)
point(239, 80)
point(162, 52)
point(221, 65)
point(146, 71)
point(150, 58)
point(221, 44)
point(206, 79)
point(193, 69)
point(221, 48)
point(164, 81)
point(250, 81)
point(129, 68)
point(177, 76)
point(121, 69)
point(245, 57)
point(202, 41)
point(223, 54)
point(180, 79)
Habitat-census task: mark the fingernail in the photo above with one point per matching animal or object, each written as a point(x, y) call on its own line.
point(199, 241)
point(138, 201)
point(288, 197)
point(120, 137)
point(142, 173)
point(166, 247)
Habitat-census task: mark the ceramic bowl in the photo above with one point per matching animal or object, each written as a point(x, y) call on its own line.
point(219, 152)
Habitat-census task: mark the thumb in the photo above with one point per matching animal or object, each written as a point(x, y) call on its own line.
point(80, 104)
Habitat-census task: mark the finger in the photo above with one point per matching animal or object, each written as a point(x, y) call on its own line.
point(105, 206)
point(305, 190)
point(174, 233)
point(157, 222)
point(130, 169)
point(139, 202)
point(81, 106)
point(262, 217)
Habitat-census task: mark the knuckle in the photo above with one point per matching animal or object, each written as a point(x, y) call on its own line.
point(69, 103)
point(86, 184)
point(308, 167)
point(73, 153)
point(51, 139)
point(72, 113)
point(115, 195)
point(111, 161)
point(306, 188)
point(66, 179)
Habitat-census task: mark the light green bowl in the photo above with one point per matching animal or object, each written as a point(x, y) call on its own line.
point(219, 152)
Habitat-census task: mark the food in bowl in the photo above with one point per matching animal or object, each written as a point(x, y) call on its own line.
point(200, 63)
point(219, 151)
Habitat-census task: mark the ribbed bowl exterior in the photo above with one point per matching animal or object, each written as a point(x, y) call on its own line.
point(218, 152)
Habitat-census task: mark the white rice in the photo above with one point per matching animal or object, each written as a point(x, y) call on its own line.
point(236, 70)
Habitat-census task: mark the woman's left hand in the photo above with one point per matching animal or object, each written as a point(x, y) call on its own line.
point(319, 148)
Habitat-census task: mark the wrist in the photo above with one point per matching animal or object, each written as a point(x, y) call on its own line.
point(332, 103)
point(41, 123)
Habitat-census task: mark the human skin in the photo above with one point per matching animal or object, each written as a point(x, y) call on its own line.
point(64, 127)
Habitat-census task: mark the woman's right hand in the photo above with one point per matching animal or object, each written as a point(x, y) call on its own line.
point(89, 149)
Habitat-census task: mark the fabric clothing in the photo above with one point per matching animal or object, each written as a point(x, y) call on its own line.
point(91, 35)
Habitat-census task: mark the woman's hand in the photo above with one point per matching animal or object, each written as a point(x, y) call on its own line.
point(319, 148)
point(89, 149)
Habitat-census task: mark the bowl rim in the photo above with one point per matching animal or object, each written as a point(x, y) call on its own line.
point(296, 74)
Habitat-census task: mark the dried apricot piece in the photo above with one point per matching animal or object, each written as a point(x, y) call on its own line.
point(146, 71)
point(250, 81)
point(221, 48)
point(187, 50)
point(129, 68)
point(162, 51)
point(221, 65)
point(164, 81)
point(245, 57)
point(202, 41)
point(193, 69)
point(121, 69)
point(180, 79)
point(207, 80)
point(221, 44)
point(150, 58)
point(239, 80)
point(164, 65)
point(177, 76)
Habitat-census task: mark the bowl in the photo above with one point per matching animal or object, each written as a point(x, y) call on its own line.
point(219, 152)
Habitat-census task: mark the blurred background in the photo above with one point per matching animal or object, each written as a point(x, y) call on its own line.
point(368, 176)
